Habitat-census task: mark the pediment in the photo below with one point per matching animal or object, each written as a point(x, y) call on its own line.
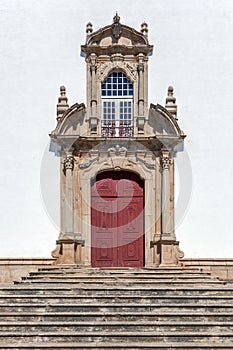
point(128, 36)
point(115, 38)
point(72, 122)
point(163, 123)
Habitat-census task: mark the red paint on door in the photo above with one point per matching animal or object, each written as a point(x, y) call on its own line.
point(117, 220)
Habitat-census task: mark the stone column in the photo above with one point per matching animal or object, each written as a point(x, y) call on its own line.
point(67, 243)
point(141, 117)
point(140, 85)
point(158, 224)
point(169, 250)
point(93, 102)
point(93, 84)
point(172, 196)
point(165, 163)
point(68, 168)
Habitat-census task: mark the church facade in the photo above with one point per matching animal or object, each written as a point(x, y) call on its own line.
point(117, 158)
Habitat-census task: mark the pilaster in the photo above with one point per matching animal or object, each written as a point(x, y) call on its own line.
point(166, 192)
point(68, 170)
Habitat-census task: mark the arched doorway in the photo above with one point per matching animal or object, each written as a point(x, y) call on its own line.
point(117, 220)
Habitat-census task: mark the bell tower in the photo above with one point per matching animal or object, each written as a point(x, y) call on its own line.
point(117, 157)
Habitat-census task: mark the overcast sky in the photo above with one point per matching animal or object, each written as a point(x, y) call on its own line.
point(40, 50)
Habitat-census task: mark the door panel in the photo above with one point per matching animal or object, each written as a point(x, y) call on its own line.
point(130, 233)
point(117, 220)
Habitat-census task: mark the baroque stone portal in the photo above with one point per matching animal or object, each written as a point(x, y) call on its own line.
point(117, 158)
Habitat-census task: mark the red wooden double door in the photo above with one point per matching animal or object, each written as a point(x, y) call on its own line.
point(117, 220)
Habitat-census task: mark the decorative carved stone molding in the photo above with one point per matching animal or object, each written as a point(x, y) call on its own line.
point(179, 253)
point(116, 27)
point(165, 162)
point(56, 252)
point(148, 165)
point(92, 60)
point(85, 165)
point(93, 67)
point(117, 151)
point(129, 69)
point(140, 67)
point(117, 57)
point(69, 162)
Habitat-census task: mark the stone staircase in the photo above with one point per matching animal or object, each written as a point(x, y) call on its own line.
point(150, 308)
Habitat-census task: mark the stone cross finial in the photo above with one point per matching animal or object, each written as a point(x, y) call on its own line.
point(171, 102)
point(144, 29)
point(62, 105)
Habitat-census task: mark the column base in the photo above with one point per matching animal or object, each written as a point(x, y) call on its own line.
point(68, 252)
point(167, 252)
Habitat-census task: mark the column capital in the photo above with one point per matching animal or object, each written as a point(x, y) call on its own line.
point(165, 161)
point(69, 162)
point(93, 67)
point(140, 67)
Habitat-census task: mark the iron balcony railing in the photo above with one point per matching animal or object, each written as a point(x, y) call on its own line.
point(121, 128)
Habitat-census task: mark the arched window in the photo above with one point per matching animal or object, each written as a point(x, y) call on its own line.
point(117, 106)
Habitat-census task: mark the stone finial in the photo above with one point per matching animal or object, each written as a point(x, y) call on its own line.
point(116, 28)
point(171, 102)
point(116, 18)
point(89, 28)
point(62, 105)
point(144, 29)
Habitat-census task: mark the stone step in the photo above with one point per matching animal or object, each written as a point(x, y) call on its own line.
point(132, 272)
point(87, 269)
point(155, 316)
point(117, 309)
point(117, 345)
point(114, 307)
point(51, 298)
point(225, 337)
point(104, 289)
point(113, 326)
point(160, 281)
point(148, 278)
